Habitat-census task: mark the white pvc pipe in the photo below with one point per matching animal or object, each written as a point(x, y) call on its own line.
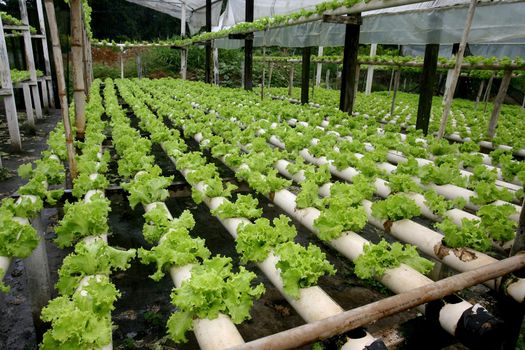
point(205, 330)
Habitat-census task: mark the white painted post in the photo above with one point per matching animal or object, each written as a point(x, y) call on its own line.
point(328, 78)
point(6, 87)
point(370, 71)
point(139, 66)
point(270, 75)
point(29, 105)
point(242, 74)
point(30, 59)
point(184, 51)
point(319, 68)
point(457, 69)
point(48, 81)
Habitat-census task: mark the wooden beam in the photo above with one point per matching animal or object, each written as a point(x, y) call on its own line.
point(6, 86)
point(28, 104)
point(207, 68)
point(248, 48)
point(480, 92)
point(457, 69)
point(79, 94)
point(498, 102)
point(305, 75)
point(61, 83)
point(344, 19)
point(346, 103)
point(426, 87)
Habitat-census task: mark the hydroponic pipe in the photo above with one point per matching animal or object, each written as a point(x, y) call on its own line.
point(351, 319)
point(313, 303)
point(396, 157)
point(448, 191)
point(205, 330)
point(427, 240)
point(399, 280)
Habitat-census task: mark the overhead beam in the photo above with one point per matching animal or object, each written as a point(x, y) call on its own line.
point(345, 19)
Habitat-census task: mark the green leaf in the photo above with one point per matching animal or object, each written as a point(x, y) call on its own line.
point(244, 207)
point(395, 207)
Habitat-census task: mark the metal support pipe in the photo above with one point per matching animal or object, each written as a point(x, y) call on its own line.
point(357, 317)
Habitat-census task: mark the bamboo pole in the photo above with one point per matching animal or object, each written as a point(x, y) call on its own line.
point(457, 69)
point(498, 102)
point(78, 70)
point(391, 81)
point(357, 317)
point(61, 82)
point(9, 98)
point(45, 50)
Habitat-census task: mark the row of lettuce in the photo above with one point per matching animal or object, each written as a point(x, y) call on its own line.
point(494, 223)
point(468, 119)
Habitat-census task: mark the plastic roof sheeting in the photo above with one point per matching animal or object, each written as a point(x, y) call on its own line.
point(499, 22)
point(195, 10)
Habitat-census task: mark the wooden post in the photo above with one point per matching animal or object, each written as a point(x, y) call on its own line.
point(242, 74)
point(478, 96)
point(397, 77)
point(61, 83)
point(207, 63)
point(183, 51)
point(486, 96)
point(498, 101)
point(38, 278)
point(391, 81)
point(290, 79)
point(30, 60)
point(216, 76)
point(6, 90)
point(346, 102)
point(319, 70)
point(121, 61)
point(248, 48)
point(457, 69)
point(305, 75)
point(270, 75)
point(370, 71)
point(78, 68)
point(328, 78)
point(139, 66)
point(426, 87)
point(356, 85)
point(28, 104)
